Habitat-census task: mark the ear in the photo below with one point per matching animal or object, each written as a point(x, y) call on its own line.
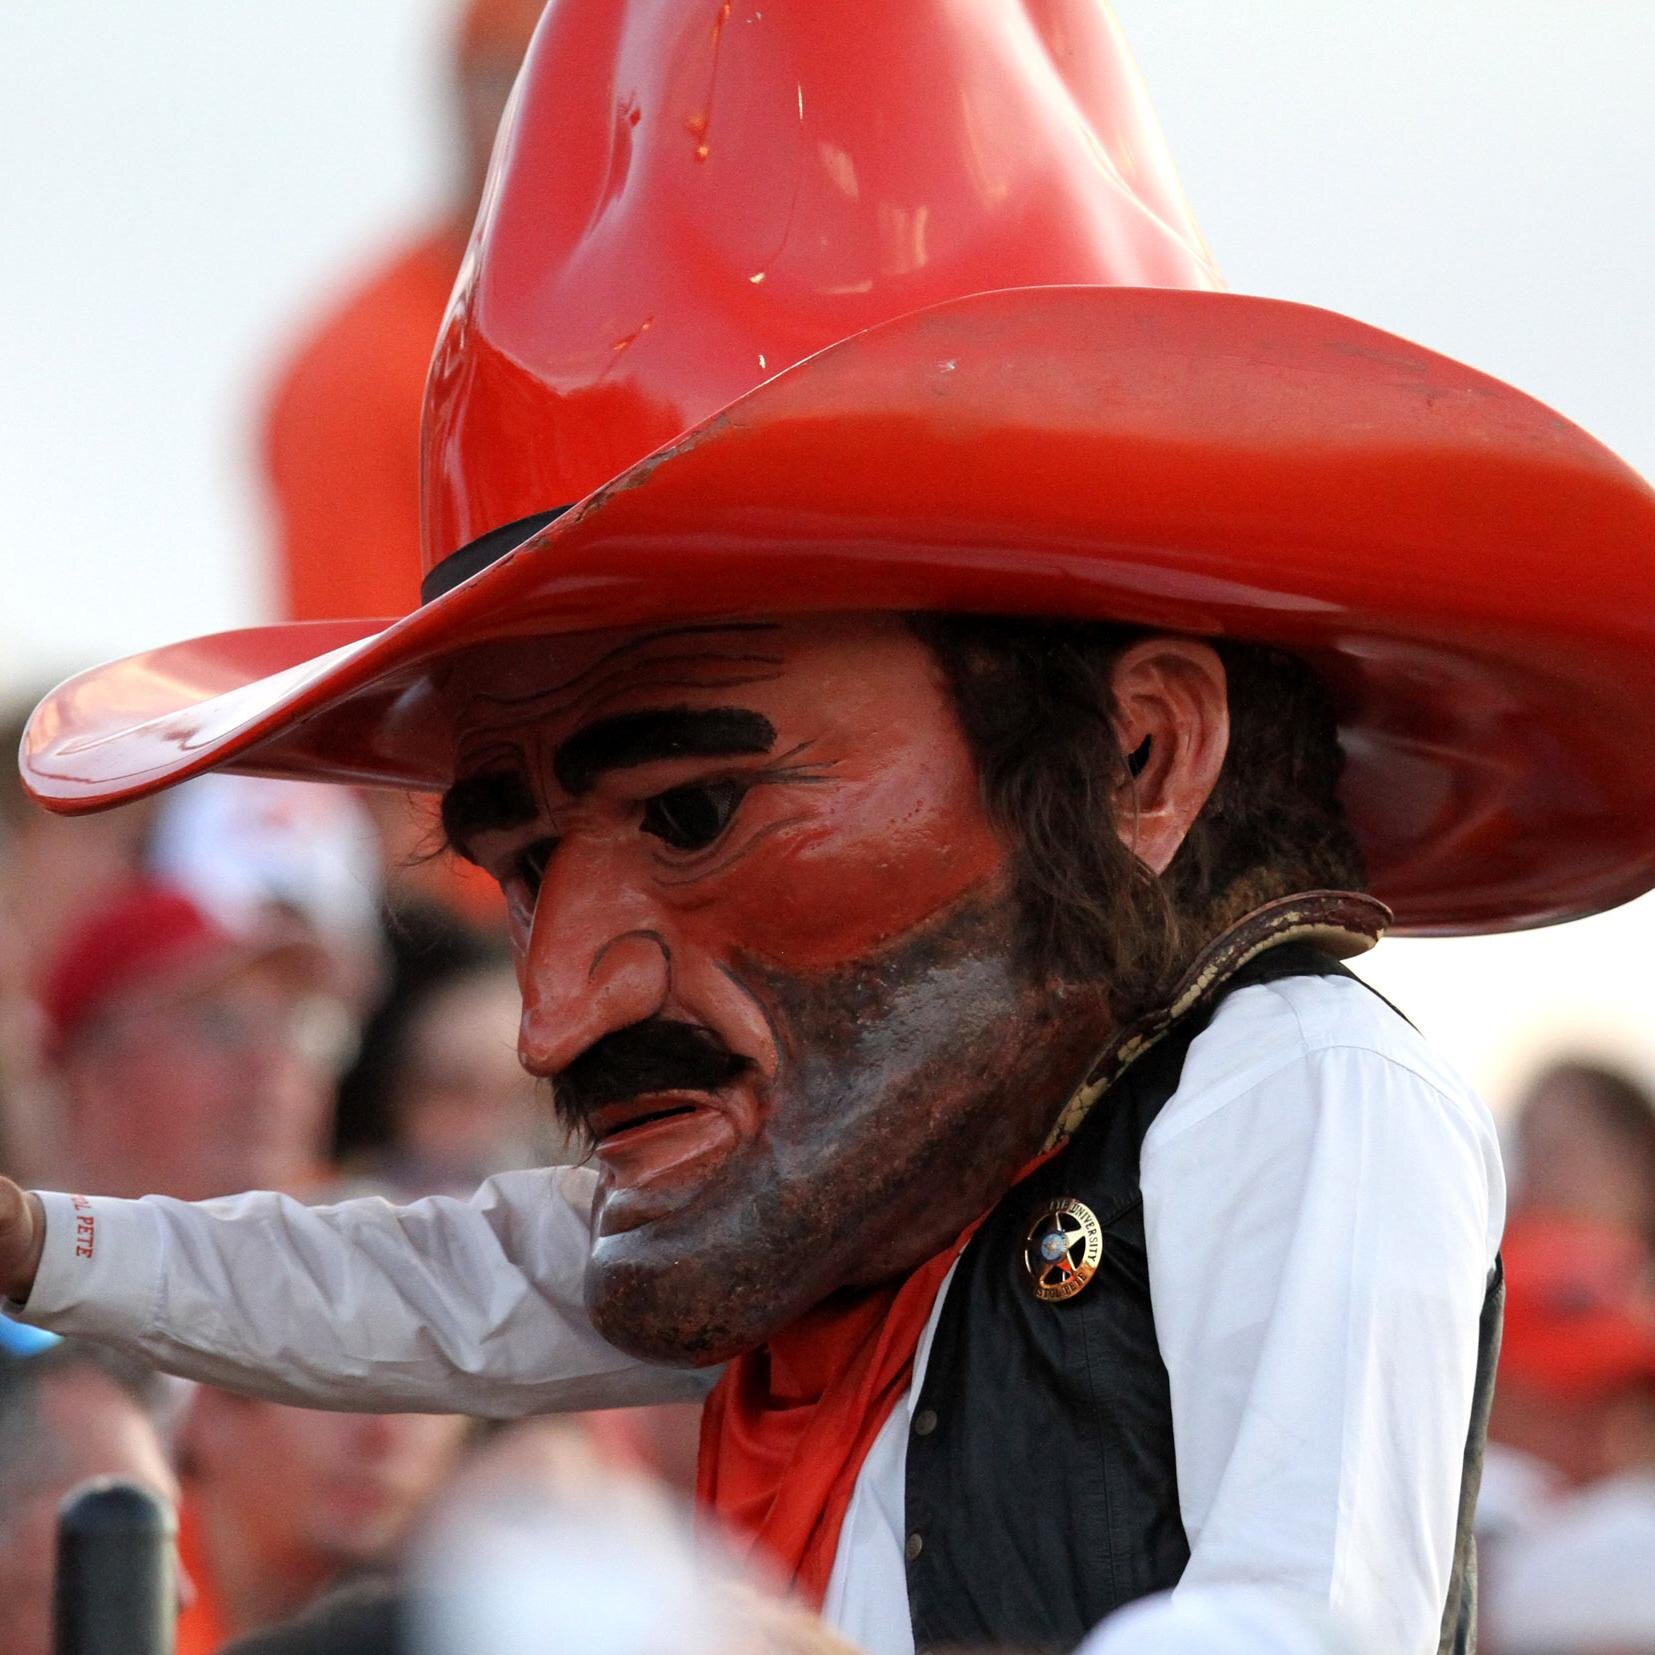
point(1172, 719)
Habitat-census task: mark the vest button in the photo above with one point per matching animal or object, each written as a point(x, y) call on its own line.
point(925, 1422)
point(916, 1544)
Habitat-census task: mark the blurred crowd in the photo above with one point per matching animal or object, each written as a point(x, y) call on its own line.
point(264, 984)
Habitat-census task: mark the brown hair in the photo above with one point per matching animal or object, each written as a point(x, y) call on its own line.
point(1035, 700)
point(1620, 1107)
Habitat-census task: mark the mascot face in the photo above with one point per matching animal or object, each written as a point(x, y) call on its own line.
point(768, 955)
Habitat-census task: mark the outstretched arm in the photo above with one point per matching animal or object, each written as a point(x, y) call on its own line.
point(440, 1306)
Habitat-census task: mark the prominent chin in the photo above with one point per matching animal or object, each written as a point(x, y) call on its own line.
point(667, 1311)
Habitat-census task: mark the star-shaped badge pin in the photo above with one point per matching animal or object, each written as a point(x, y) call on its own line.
point(1062, 1249)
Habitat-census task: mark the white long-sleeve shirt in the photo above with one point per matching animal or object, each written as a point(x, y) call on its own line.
point(1323, 1200)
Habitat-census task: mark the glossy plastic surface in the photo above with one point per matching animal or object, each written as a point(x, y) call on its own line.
point(687, 199)
point(1471, 572)
point(1475, 576)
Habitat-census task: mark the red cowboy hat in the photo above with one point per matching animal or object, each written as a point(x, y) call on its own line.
point(805, 305)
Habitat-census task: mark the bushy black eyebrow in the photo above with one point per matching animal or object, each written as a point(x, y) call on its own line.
point(659, 733)
point(496, 800)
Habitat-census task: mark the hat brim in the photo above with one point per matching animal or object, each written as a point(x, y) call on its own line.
point(1471, 573)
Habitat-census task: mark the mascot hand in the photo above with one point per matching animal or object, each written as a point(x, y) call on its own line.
point(22, 1237)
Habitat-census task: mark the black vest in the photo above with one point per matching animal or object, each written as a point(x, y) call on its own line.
point(1042, 1492)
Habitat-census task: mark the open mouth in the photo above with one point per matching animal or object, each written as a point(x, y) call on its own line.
point(652, 1148)
point(617, 1120)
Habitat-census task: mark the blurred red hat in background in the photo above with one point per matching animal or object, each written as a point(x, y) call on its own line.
point(146, 932)
point(153, 939)
point(1580, 1316)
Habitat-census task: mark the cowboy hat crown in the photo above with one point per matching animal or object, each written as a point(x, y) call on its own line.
point(808, 305)
point(688, 199)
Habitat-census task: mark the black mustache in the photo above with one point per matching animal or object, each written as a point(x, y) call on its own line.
point(657, 1055)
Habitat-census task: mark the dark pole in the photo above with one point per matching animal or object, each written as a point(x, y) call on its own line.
point(117, 1591)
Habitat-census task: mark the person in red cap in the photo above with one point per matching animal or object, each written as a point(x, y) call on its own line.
point(187, 1054)
point(941, 685)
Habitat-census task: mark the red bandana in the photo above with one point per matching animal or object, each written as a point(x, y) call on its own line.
point(787, 1428)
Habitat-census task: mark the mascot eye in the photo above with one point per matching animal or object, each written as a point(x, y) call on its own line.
point(531, 864)
point(690, 818)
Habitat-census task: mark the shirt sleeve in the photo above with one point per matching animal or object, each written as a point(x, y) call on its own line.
point(439, 1306)
point(1228, 1620)
point(1320, 1245)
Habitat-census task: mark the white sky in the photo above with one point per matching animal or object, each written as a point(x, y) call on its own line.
point(181, 179)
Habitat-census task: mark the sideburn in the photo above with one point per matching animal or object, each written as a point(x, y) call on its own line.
point(1034, 698)
point(1035, 702)
point(913, 1086)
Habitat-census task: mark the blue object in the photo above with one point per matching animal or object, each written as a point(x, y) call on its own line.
point(18, 1340)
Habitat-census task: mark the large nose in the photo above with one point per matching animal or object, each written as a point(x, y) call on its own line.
point(597, 960)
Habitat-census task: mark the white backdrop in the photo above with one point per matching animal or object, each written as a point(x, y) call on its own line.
point(180, 180)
